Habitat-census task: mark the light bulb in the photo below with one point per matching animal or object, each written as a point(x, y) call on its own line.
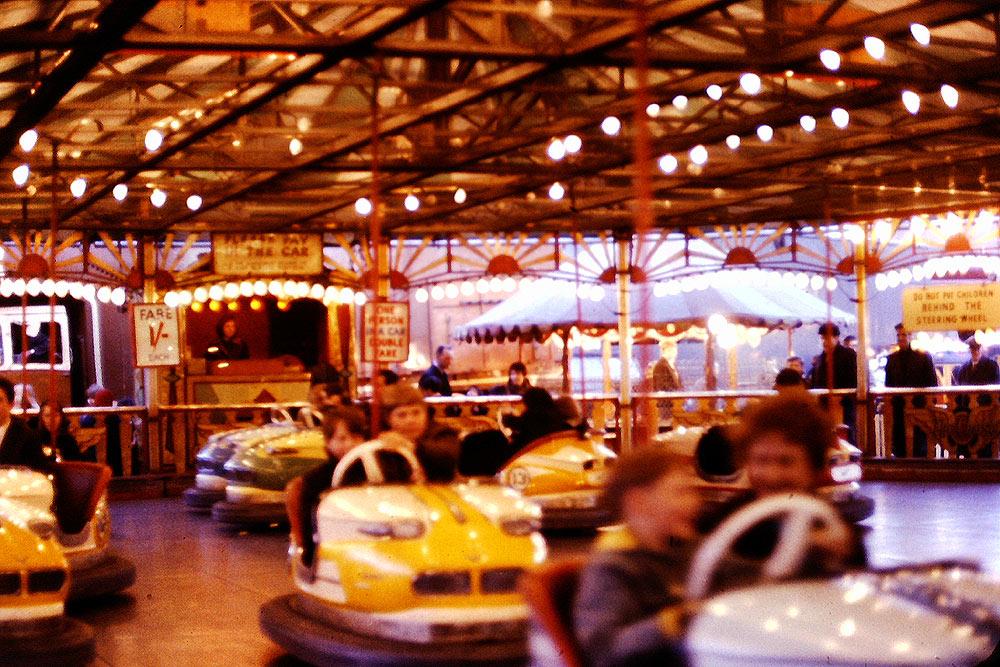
point(363, 206)
point(698, 155)
point(611, 126)
point(875, 47)
point(911, 101)
point(119, 192)
point(154, 139)
point(840, 117)
point(714, 91)
point(920, 33)
point(294, 145)
point(765, 133)
point(27, 140)
point(421, 295)
point(194, 202)
point(545, 9)
point(830, 59)
point(158, 198)
point(808, 123)
point(680, 102)
point(733, 141)
point(556, 150)
point(78, 186)
point(750, 83)
point(20, 174)
point(104, 294)
point(437, 292)
point(460, 196)
point(411, 203)
point(557, 191)
point(118, 296)
point(653, 110)
point(573, 144)
point(668, 164)
point(949, 95)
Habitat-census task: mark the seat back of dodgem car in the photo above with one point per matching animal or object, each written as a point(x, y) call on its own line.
point(550, 591)
point(293, 506)
point(78, 488)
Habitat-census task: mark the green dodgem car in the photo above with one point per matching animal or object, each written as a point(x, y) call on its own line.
point(256, 477)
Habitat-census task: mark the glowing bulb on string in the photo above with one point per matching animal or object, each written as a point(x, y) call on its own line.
point(556, 150)
point(411, 203)
point(698, 155)
point(154, 139)
point(680, 102)
point(421, 295)
point(765, 133)
point(556, 191)
point(120, 192)
point(875, 47)
point(294, 145)
point(118, 296)
point(949, 95)
point(653, 110)
point(573, 143)
point(27, 140)
point(20, 174)
point(808, 123)
point(911, 101)
point(460, 196)
point(733, 141)
point(611, 126)
point(920, 33)
point(158, 197)
point(830, 59)
point(714, 92)
point(78, 187)
point(668, 164)
point(194, 202)
point(840, 117)
point(750, 83)
point(363, 206)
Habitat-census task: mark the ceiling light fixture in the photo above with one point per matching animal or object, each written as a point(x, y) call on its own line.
point(556, 150)
point(78, 186)
point(714, 91)
point(830, 59)
point(20, 174)
point(154, 139)
point(363, 206)
point(556, 191)
point(840, 117)
point(27, 140)
point(295, 146)
point(668, 164)
point(194, 202)
point(765, 133)
point(411, 203)
point(680, 102)
point(158, 197)
point(698, 155)
point(119, 192)
point(750, 83)
point(611, 126)
point(573, 144)
point(808, 123)
point(460, 196)
point(733, 141)
point(950, 95)
point(911, 101)
point(920, 33)
point(653, 110)
point(875, 47)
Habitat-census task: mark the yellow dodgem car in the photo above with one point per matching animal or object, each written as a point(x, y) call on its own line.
point(408, 572)
point(34, 581)
point(564, 473)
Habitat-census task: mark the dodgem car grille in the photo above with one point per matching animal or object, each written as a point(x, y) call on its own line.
point(502, 580)
point(10, 583)
point(46, 581)
point(443, 583)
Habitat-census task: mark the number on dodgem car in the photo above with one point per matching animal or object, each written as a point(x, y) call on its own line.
point(519, 478)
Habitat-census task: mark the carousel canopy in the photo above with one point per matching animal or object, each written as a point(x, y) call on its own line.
point(552, 306)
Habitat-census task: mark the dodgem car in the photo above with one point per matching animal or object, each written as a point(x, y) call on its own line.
point(408, 572)
point(720, 478)
point(76, 493)
point(256, 477)
point(210, 476)
point(34, 581)
point(941, 614)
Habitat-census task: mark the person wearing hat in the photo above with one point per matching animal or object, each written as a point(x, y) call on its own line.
point(907, 367)
point(978, 369)
point(406, 422)
point(844, 363)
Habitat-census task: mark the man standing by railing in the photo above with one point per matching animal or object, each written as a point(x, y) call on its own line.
point(907, 367)
point(840, 364)
point(976, 370)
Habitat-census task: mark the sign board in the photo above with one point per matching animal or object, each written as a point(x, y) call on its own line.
point(959, 306)
point(267, 254)
point(155, 335)
point(386, 331)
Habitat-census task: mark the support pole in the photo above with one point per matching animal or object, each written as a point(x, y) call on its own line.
point(624, 342)
point(864, 426)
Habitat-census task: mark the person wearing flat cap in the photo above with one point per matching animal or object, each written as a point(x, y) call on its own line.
point(843, 361)
point(978, 369)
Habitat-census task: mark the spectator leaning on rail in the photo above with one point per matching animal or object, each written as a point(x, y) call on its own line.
point(907, 367)
point(19, 445)
point(978, 369)
point(844, 362)
point(541, 416)
point(434, 381)
point(517, 381)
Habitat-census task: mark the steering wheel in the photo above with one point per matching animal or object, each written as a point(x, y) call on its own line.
point(310, 418)
point(797, 512)
point(281, 416)
point(367, 454)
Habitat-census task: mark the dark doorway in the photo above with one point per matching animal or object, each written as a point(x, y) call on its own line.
point(299, 330)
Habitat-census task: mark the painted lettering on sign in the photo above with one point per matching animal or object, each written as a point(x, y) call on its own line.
point(155, 335)
point(386, 332)
point(267, 254)
point(951, 307)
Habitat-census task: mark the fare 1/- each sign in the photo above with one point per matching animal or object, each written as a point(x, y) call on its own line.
point(155, 335)
point(962, 307)
point(386, 332)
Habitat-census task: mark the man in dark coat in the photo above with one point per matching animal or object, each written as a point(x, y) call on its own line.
point(434, 381)
point(977, 370)
point(845, 371)
point(19, 445)
point(907, 367)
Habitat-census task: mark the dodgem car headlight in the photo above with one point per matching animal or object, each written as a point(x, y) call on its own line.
point(403, 529)
point(519, 526)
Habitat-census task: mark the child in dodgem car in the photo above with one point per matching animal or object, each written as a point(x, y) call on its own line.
point(630, 607)
point(783, 442)
point(344, 428)
point(406, 422)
